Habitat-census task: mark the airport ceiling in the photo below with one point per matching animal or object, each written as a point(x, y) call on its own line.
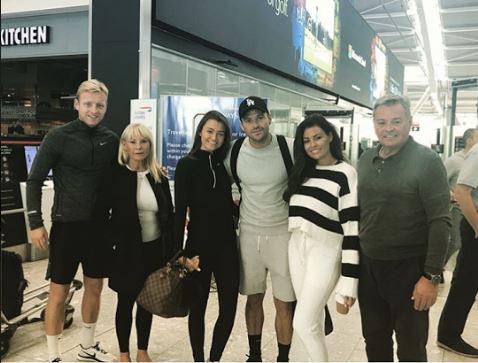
point(406, 26)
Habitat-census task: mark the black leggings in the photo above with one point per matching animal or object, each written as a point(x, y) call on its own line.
point(124, 320)
point(152, 259)
point(226, 272)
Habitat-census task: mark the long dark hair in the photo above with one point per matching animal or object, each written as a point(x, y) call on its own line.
point(220, 153)
point(304, 163)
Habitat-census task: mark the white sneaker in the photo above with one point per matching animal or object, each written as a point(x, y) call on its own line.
point(95, 354)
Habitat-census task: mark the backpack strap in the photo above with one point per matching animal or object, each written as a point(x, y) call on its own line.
point(284, 150)
point(233, 161)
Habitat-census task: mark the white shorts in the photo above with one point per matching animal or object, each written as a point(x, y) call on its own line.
point(260, 254)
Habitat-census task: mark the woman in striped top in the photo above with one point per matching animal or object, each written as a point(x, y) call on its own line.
point(323, 219)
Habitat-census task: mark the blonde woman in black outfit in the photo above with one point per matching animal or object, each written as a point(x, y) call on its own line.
point(203, 186)
point(140, 228)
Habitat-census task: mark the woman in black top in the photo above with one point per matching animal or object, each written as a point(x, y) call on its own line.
point(203, 185)
point(140, 228)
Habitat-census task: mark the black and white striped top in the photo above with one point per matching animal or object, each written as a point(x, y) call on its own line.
point(326, 207)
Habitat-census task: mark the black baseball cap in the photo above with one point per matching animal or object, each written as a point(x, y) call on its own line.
point(252, 103)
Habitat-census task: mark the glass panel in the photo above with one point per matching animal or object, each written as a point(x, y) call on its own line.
point(173, 74)
point(248, 87)
point(266, 91)
point(168, 74)
point(227, 84)
point(201, 79)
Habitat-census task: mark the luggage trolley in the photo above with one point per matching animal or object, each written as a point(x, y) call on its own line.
point(35, 300)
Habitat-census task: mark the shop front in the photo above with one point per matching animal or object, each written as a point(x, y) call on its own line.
point(44, 58)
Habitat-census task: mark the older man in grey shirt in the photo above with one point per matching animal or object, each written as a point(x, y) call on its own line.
point(465, 285)
point(404, 228)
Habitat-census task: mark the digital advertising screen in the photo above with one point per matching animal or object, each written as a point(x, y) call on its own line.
point(316, 36)
point(323, 42)
point(353, 75)
point(396, 74)
point(379, 68)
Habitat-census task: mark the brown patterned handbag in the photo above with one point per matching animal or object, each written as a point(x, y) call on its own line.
point(163, 291)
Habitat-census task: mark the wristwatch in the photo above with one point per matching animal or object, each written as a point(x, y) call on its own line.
point(434, 279)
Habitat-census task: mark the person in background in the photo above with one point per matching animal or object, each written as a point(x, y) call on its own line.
point(404, 229)
point(453, 166)
point(16, 129)
point(323, 219)
point(79, 153)
point(464, 287)
point(203, 187)
point(140, 227)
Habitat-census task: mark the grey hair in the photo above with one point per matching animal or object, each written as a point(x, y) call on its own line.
point(468, 134)
point(390, 100)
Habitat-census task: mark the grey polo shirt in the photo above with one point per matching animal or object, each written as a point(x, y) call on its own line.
point(453, 166)
point(404, 203)
point(469, 173)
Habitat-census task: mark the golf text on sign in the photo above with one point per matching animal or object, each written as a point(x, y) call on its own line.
point(26, 35)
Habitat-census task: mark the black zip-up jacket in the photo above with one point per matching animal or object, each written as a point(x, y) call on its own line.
point(122, 228)
point(78, 155)
point(202, 184)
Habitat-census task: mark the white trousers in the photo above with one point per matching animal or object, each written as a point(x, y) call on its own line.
point(315, 270)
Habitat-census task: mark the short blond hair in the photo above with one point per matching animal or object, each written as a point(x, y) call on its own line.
point(150, 163)
point(93, 86)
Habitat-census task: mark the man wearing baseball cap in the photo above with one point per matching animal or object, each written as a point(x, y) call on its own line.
point(259, 168)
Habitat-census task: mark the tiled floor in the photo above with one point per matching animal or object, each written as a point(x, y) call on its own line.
point(169, 339)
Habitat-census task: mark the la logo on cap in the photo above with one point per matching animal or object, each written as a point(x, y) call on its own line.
point(250, 102)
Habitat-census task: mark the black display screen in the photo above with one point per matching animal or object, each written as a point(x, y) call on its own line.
point(323, 42)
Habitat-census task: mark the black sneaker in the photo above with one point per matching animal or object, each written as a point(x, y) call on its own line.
point(253, 358)
point(459, 347)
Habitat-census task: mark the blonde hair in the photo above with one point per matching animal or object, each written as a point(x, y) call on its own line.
point(150, 163)
point(93, 86)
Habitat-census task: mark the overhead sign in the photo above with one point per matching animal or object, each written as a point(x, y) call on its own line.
point(26, 35)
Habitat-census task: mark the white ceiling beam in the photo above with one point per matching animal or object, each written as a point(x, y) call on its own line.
point(457, 10)
point(399, 40)
point(400, 14)
point(430, 70)
point(460, 29)
point(462, 64)
point(408, 61)
point(396, 34)
point(421, 101)
point(390, 25)
point(451, 60)
point(459, 36)
point(405, 50)
point(377, 7)
point(461, 47)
